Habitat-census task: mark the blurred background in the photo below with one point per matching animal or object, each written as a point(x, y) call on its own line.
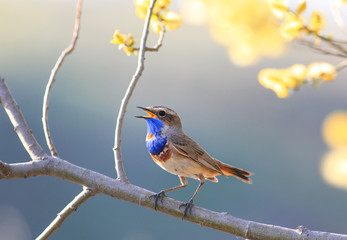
point(214, 90)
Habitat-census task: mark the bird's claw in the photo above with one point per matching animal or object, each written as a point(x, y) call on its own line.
point(187, 208)
point(160, 195)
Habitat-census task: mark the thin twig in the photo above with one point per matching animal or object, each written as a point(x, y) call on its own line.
point(159, 43)
point(333, 44)
point(123, 108)
point(51, 80)
point(131, 193)
point(20, 126)
point(320, 49)
point(66, 212)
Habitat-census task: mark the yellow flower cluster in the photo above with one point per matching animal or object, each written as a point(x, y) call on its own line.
point(246, 28)
point(334, 164)
point(281, 81)
point(125, 42)
point(161, 15)
point(294, 25)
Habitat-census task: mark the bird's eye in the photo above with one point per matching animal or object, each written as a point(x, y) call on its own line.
point(161, 113)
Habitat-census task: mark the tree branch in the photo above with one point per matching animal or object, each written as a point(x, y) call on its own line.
point(332, 43)
point(51, 80)
point(159, 43)
point(57, 167)
point(322, 50)
point(123, 108)
point(66, 212)
point(20, 126)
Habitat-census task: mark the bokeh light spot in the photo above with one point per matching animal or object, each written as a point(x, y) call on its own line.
point(334, 129)
point(334, 167)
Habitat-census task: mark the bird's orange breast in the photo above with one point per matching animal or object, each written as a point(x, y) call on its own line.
point(149, 136)
point(163, 156)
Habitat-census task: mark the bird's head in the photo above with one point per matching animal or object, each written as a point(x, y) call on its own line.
point(161, 116)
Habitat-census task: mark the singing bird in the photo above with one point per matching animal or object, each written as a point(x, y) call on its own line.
point(180, 155)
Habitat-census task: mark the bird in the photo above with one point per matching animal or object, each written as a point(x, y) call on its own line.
point(178, 154)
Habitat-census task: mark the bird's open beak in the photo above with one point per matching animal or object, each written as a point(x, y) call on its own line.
point(151, 114)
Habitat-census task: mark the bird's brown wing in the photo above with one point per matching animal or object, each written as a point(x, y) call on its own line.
point(190, 149)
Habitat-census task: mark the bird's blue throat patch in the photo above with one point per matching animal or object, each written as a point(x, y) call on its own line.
point(156, 143)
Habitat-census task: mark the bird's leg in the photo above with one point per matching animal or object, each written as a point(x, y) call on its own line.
point(188, 206)
point(161, 194)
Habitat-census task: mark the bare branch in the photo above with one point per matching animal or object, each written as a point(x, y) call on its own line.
point(335, 44)
point(51, 80)
point(66, 212)
point(159, 43)
point(20, 126)
point(123, 108)
point(322, 50)
point(57, 167)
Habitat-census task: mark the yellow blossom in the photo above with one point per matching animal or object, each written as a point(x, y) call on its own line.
point(290, 81)
point(294, 76)
point(161, 15)
point(281, 80)
point(162, 3)
point(301, 8)
point(292, 27)
point(317, 21)
point(291, 30)
point(118, 38)
point(278, 7)
point(155, 24)
point(271, 78)
point(127, 43)
point(298, 72)
point(141, 8)
point(321, 71)
point(129, 50)
point(281, 90)
point(171, 20)
point(130, 40)
point(235, 25)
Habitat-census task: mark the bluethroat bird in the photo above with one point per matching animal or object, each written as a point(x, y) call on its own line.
point(178, 154)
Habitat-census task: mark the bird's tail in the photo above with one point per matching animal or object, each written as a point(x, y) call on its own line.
point(235, 172)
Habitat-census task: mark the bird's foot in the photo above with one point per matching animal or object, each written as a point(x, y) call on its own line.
point(187, 208)
point(159, 196)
